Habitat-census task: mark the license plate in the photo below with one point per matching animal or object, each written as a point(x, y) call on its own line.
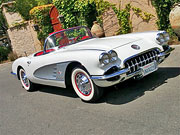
point(147, 69)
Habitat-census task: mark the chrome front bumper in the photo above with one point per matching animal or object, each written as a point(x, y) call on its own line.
point(102, 81)
point(120, 72)
point(167, 52)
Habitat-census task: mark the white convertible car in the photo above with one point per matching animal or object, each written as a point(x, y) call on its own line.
point(73, 57)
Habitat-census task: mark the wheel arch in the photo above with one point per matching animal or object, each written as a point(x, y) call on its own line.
point(68, 72)
point(18, 68)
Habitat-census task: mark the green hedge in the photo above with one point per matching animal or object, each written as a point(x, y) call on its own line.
point(163, 8)
point(24, 6)
point(3, 53)
point(41, 17)
point(76, 12)
point(84, 12)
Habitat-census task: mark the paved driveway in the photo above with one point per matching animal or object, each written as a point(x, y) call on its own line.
point(147, 107)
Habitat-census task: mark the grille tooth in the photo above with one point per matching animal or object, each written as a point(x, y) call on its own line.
point(141, 60)
point(128, 66)
point(148, 58)
point(156, 55)
point(144, 60)
point(133, 66)
point(151, 57)
point(154, 52)
point(136, 64)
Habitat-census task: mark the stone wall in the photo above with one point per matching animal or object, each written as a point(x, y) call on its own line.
point(110, 23)
point(11, 17)
point(137, 22)
point(23, 38)
point(37, 43)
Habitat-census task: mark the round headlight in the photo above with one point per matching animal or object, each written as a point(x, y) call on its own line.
point(104, 59)
point(113, 55)
point(166, 36)
point(160, 38)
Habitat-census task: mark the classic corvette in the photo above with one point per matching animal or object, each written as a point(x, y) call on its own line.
point(74, 57)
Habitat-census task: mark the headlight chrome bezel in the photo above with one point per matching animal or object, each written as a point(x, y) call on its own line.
point(113, 55)
point(162, 38)
point(104, 58)
point(166, 36)
point(108, 57)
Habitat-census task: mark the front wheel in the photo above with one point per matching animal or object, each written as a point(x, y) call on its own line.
point(26, 83)
point(84, 86)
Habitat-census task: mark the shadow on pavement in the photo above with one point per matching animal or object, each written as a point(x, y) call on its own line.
point(58, 91)
point(127, 91)
point(131, 90)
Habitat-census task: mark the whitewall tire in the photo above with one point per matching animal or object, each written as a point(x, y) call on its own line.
point(26, 83)
point(84, 86)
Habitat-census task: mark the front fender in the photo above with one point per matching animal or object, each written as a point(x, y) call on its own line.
point(90, 60)
point(20, 62)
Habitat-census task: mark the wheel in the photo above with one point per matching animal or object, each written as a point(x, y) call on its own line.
point(84, 86)
point(26, 83)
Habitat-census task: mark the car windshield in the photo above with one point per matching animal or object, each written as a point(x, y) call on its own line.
point(67, 37)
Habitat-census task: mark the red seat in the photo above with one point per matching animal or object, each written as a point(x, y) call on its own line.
point(84, 37)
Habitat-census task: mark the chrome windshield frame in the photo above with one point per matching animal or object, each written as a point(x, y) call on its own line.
point(78, 27)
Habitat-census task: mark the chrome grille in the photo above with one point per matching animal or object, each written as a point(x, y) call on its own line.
point(134, 63)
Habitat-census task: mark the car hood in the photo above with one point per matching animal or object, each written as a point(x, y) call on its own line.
point(102, 44)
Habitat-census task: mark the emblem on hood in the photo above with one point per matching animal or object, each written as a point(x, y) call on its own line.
point(136, 47)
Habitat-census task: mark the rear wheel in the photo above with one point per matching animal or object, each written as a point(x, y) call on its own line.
point(84, 86)
point(26, 83)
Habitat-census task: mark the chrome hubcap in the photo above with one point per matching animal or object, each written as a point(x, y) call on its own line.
point(83, 84)
point(24, 79)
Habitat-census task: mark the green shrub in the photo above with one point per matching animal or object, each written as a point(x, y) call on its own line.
point(3, 53)
point(24, 6)
point(76, 12)
point(163, 8)
point(123, 16)
point(41, 17)
point(84, 12)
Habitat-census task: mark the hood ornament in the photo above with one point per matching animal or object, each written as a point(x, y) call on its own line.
point(136, 47)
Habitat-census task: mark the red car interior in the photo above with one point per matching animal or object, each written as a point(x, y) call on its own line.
point(62, 43)
point(42, 52)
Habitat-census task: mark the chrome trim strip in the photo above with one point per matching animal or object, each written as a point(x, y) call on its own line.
point(54, 72)
point(104, 77)
point(13, 73)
